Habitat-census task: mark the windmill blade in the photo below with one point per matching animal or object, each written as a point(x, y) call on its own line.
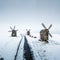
point(10, 27)
point(50, 26)
point(50, 35)
point(29, 29)
point(14, 28)
point(44, 26)
point(9, 31)
point(26, 30)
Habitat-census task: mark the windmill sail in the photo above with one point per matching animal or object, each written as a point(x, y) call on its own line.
point(44, 26)
point(50, 26)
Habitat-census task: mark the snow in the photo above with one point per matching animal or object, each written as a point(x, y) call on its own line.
point(20, 52)
point(40, 50)
point(8, 47)
point(45, 51)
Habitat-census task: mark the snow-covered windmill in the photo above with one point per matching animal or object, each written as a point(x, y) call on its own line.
point(28, 32)
point(45, 33)
point(14, 32)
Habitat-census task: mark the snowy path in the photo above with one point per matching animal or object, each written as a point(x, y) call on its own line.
point(17, 52)
point(8, 47)
point(20, 49)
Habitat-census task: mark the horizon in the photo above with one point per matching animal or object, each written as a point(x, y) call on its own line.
point(30, 14)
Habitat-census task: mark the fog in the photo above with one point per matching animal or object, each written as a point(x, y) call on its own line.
point(29, 14)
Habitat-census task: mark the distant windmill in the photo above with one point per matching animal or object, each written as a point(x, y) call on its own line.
point(14, 32)
point(28, 32)
point(44, 33)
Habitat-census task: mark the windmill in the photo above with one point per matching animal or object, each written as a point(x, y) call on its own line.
point(28, 32)
point(14, 32)
point(45, 33)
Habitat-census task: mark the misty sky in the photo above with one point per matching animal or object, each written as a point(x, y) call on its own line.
point(30, 13)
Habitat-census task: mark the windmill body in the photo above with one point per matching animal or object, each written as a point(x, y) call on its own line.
point(44, 34)
point(14, 32)
point(28, 32)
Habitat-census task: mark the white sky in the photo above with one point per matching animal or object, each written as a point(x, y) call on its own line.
point(30, 14)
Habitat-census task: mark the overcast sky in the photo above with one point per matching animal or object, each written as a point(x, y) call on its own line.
point(31, 13)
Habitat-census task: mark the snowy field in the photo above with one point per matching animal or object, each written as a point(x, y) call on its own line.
point(40, 50)
point(45, 51)
point(8, 47)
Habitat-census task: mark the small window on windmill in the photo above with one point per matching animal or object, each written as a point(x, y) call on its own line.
point(14, 32)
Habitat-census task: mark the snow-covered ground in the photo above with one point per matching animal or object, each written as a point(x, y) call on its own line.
point(41, 50)
point(8, 47)
point(45, 51)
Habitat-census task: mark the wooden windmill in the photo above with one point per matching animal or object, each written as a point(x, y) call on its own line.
point(14, 32)
point(28, 32)
point(45, 33)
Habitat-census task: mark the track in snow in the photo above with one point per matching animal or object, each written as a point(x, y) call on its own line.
point(27, 50)
point(15, 58)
